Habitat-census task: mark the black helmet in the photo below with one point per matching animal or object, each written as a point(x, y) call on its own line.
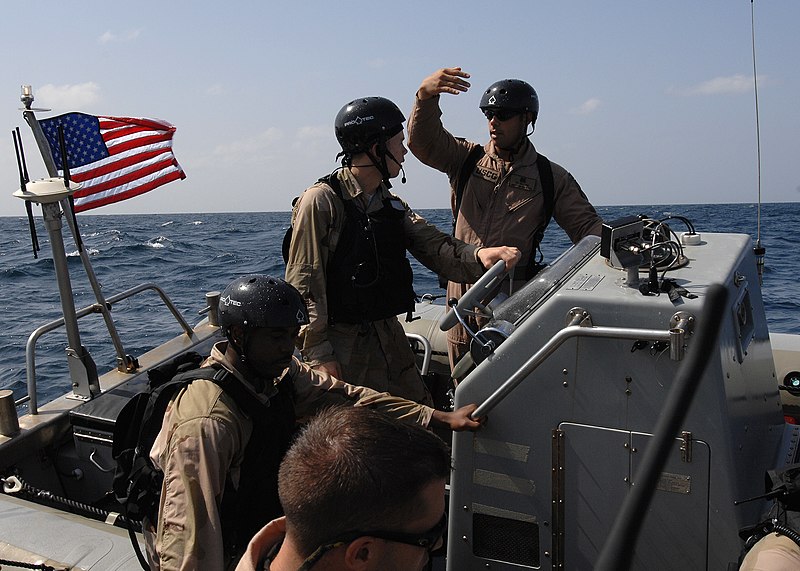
point(511, 94)
point(261, 301)
point(365, 121)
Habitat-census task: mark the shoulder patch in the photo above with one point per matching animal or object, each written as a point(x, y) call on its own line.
point(487, 173)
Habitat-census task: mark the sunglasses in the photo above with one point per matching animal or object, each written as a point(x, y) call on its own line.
point(427, 539)
point(500, 114)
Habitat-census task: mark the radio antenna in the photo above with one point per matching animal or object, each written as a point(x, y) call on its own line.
point(758, 249)
point(23, 180)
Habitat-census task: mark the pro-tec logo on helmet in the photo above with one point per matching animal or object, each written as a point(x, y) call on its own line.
point(228, 301)
point(492, 100)
point(359, 120)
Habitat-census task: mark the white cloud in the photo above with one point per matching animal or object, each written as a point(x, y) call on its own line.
point(253, 150)
point(216, 90)
point(720, 85)
point(312, 136)
point(109, 36)
point(68, 96)
point(587, 107)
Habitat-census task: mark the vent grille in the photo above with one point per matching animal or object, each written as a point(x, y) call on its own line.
point(507, 540)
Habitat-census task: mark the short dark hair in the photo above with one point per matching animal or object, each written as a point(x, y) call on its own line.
point(353, 468)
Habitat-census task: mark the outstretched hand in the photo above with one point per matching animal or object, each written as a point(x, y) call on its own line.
point(458, 420)
point(446, 80)
point(490, 256)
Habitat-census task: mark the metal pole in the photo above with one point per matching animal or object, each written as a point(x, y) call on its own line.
point(82, 369)
point(125, 363)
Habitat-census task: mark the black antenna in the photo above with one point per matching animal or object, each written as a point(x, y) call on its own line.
point(24, 170)
point(78, 239)
point(22, 175)
point(23, 179)
point(32, 226)
point(62, 145)
point(758, 250)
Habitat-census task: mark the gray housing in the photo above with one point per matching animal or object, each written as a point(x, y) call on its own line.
point(540, 484)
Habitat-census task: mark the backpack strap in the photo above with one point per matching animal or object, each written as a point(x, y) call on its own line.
point(475, 154)
point(333, 181)
point(157, 404)
point(549, 196)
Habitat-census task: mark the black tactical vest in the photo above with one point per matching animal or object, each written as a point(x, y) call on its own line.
point(369, 275)
point(255, 503)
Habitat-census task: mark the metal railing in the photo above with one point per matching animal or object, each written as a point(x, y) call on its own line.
point(30, 347)
point(674, 336)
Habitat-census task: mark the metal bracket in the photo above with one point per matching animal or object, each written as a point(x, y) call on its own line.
point(578, 316)
point(686, 446)
point(683, 320)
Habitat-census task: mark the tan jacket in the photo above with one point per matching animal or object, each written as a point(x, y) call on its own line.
point(318, 220)
point(202, 442)
point(502, 202)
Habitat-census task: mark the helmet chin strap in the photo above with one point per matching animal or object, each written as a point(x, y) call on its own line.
point(239, 347)
point(381, 165)
point(398, 163)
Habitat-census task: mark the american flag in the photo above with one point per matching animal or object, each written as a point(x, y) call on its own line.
point(113, 158)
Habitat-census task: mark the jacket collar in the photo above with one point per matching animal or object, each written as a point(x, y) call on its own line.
point(525, 158)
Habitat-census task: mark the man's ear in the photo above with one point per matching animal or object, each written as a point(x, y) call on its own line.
point(362, 553)
point(236, 333)
point(378, 149)
point(528, 117)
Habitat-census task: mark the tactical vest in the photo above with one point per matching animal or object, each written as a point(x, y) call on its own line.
point(246, 509)
point(369, 275)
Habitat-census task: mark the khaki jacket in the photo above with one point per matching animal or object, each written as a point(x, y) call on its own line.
point(202, 442)
point(318, 220)
point(502, 202)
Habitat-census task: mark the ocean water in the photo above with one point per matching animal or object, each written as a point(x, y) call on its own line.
point(190, 254)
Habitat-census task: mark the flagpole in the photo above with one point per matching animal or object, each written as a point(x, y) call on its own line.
point(125, 363)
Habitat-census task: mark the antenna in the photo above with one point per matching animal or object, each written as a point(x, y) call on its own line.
point(62, 145)
point(758, 249)
point(24, 170)
point(23, 180)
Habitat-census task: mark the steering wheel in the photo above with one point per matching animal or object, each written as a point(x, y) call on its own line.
point(478, 295)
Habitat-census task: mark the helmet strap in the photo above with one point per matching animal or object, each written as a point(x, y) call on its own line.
point(398, 163)
point(238, 347)
point(380, 165)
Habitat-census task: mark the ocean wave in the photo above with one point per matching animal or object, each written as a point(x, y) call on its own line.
point(158, 242)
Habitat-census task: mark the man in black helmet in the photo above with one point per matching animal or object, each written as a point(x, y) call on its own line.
point(347, 256)
point(221, 441)
point(503, 192)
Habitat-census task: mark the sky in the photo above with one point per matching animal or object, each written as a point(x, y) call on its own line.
point(644, 102)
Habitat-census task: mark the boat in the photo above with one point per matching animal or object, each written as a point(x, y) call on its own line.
point(578, 373)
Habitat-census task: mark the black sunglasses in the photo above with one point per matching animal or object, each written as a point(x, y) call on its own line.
point(500, 114)
point(427, 539)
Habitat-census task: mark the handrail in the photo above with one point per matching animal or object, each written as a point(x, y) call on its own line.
point(554, 343)
point(427, 351)
point(30, 347)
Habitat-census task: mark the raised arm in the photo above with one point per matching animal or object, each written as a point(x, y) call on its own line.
point(450, 80)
